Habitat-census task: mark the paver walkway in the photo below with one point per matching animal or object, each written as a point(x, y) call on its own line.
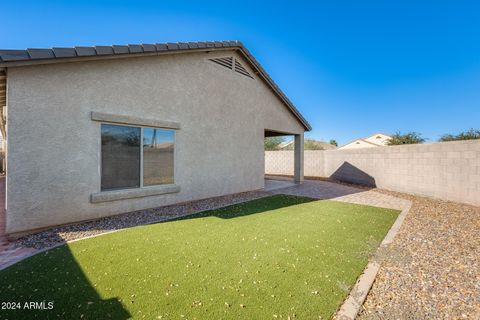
point(345, 193)
point(271, 184)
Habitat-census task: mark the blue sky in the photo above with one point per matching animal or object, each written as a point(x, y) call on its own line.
point(352, 67)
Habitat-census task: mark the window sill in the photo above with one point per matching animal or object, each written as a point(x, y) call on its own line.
point(106, 196)
point(131, 120)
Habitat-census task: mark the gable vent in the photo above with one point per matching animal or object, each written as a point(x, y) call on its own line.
point(241, 69)
point(232, 64)
point(226, 62)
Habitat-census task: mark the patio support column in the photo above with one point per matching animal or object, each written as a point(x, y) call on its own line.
point(298, 161)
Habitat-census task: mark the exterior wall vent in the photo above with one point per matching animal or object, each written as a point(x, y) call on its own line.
point(241, 69)
point(226, 62)
point(232, 64)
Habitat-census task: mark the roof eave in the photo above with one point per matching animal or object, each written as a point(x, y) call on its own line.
point(160, 49)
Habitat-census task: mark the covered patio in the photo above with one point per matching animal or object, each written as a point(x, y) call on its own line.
point(298, 177)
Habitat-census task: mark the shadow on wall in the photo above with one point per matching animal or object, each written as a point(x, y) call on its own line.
point(349, 173)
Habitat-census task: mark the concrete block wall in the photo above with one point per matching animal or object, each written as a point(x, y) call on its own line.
point(446, 170)
point(279, 162)
point(282, 162)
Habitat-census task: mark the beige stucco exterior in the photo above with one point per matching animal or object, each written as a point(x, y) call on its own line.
point(53, 152)
point(378, 139)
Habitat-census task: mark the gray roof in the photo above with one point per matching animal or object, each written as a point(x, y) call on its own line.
point(9, 58)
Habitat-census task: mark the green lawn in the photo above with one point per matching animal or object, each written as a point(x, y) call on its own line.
point(269, 258)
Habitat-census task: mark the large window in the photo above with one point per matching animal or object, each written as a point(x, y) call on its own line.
point(128, 164)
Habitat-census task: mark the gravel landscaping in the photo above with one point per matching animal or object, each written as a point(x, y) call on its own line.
point(431, 271)
point(62, 234)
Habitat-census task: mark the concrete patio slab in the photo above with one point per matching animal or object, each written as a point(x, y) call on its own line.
point(345, 193)
point(271, 184)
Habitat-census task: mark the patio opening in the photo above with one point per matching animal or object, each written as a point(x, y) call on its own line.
point(284, 143)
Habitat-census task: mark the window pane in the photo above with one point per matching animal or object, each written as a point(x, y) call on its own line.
point(120, 157)
point(158, 146)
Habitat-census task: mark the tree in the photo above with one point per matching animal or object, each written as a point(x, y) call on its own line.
point(466, 135)
point(273, 143)
point(310, 144)
point(333, 142)
point(407, 138)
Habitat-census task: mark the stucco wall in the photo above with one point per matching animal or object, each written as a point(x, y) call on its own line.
point(54, 146)
point(447, 170)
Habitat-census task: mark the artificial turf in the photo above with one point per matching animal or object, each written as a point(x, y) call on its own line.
point(274, 257)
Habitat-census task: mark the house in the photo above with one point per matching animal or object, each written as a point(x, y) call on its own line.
point(98, 131)
point(309, 144)
point(375, 140)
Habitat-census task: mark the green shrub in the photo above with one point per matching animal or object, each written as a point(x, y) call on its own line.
point(273, 143)
point(407, 138)
point(466, 135)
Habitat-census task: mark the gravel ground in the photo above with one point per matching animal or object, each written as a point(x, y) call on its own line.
point(431, 271)
point(71, 232)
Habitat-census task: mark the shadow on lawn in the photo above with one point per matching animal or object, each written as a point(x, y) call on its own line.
point(52, 285)
point(256, 206)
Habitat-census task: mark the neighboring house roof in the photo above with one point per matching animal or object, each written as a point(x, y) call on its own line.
point(355, 141)
point(283, 145)
point(369, 142)
point(378, 138)
point(363, 140)
point(10, 58)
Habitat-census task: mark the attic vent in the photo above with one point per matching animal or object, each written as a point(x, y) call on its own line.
point(240, 69)
point(226, 62)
